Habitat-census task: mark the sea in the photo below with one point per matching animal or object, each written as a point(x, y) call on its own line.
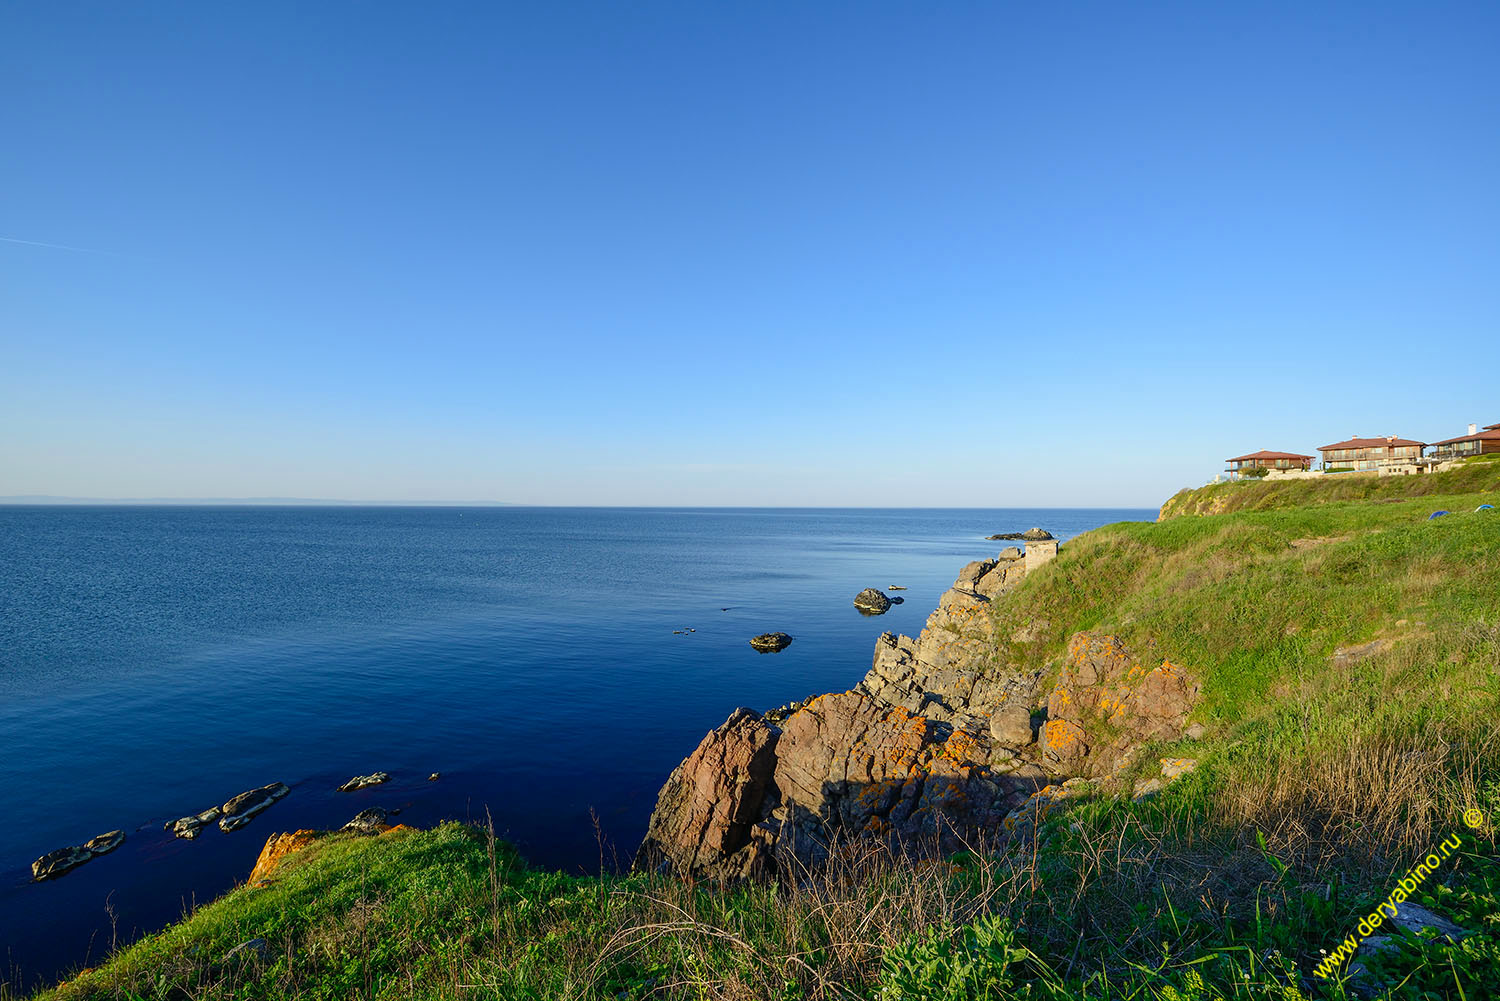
point(551, 665)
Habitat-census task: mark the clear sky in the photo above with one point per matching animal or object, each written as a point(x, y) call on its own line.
point(863, 253)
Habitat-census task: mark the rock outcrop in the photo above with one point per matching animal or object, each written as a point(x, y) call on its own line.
point(1106, 704)
point(1030, 535)
point(371, 821)
point(55, 863)
point(946, 671)
point(705, 815)
point(872, 602)
point(189, 827)
point(277, 848)
point(936, 743)
point(365, 781)
point(852, 765)
point(771, 642)
point(241, 809)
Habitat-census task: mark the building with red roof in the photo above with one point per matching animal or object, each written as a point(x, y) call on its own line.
point(1371, 453)
point(1265, 459)
point(1476, 442)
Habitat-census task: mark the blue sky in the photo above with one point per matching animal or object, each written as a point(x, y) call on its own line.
point(701, 253)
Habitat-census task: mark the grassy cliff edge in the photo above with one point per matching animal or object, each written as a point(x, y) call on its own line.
point(1349, 652)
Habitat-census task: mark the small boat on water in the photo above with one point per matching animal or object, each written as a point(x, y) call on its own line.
point(895, 587)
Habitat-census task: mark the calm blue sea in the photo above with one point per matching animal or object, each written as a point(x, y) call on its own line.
point(154, 661)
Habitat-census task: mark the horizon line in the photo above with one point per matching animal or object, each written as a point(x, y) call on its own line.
point(54, 500)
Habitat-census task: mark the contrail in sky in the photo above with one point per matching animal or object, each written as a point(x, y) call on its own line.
point(59, 246)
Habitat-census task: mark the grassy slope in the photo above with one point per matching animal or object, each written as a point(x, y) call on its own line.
point(1320, 785)
point(1477, 475)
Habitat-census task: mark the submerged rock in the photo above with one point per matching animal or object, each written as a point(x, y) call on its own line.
point(771, 642)
point(365, 781)
point(241, 809)
point(872, 602)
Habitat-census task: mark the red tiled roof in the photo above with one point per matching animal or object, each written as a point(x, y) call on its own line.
point(1263, 454)
point(1370, 443)
point(1485, 435)
point(1492, 427)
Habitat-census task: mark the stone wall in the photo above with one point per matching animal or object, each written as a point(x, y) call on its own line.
point(1038, 553)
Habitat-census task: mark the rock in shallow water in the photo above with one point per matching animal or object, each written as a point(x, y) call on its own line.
point(188, 827)
point(365, 781)
point(105, 843)
point(239, 811)
point(872, 602)
point(771, 642)
point(54, 864)
point(1030, 535)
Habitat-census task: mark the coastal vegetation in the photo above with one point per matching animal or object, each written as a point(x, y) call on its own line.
point(1348, 648)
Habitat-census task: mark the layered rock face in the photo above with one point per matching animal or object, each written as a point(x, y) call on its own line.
point(706, 812)
point(937, 743)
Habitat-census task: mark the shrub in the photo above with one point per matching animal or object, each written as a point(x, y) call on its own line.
point(942, 964)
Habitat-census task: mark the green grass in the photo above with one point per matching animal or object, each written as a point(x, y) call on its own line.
point(1480, 474)
point(1258, 600)
point(1320, 783)
point(449, 913)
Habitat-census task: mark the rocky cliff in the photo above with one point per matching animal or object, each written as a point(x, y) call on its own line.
point(940, 741)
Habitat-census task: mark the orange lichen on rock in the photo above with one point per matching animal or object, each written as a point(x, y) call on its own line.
point(1063, 739)
point(278, 847)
